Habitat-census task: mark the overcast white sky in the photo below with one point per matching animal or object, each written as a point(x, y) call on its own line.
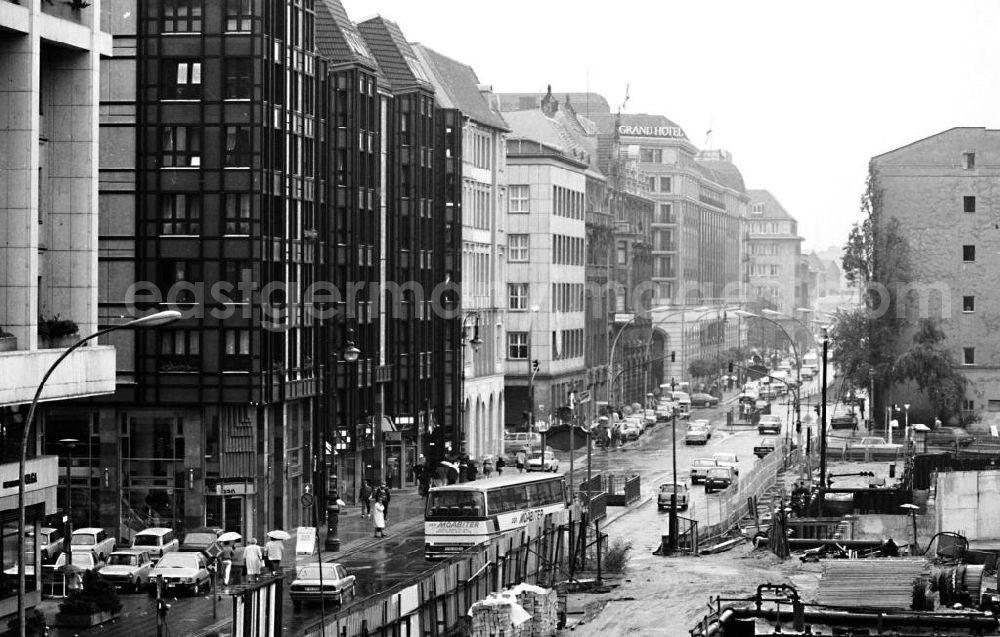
point(802, 93)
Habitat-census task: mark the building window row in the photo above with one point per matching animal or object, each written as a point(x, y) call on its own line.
point(567, 344)
point(765, 227)
point(665, 213)
point(478, 205)
point(661, 184)
point(186, 16)
point(518, 248)
point(765, 269)
point(766, 248)
point(651, 155)
point(568, 250)
point(567, 297)
point(181, 147)
point(478, 148)
point(517, 296)
point(757, 208)
point(567, 203)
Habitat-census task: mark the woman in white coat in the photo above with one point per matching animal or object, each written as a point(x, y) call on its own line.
point(378, 518)
point(254, 560)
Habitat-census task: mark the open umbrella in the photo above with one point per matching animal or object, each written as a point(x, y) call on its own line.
point(451, 465)
point(230, 536)
point(278, 534)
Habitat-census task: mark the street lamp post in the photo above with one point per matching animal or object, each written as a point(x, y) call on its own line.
point(798, 368)
point(153, 320)
point(350, 354)
point(532, 370)
point(822, 424)
point(70, 445)
point(475, 343)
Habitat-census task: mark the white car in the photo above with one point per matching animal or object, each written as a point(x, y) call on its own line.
point(85, 559)
point(769, 424)
point(93, 539)
point(700, 467)
point(336, 584)
point(50, 542)
point(129, 569)
point(183, 571)
point(703, 423)
point(728, 460)
point(631, 430)
point(551, 463)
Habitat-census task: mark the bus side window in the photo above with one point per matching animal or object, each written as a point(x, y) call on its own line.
point(494, 502)
point(534, 493)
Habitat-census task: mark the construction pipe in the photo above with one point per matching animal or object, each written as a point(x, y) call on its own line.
point(978, 621)
point(805, 543)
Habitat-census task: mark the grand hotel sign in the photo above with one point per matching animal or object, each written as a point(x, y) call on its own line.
point(650, 131)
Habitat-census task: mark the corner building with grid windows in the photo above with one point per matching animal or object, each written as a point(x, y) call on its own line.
point(251, 150)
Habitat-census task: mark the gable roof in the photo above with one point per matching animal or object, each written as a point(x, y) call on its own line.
point(584, 103)
point(723, 172)
point(457, 86)
point(338, 39)
point(536, 126)
point(394, 55)
point(772, 207)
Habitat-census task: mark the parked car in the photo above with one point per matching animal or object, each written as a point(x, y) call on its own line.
point(183, 572)
point(728, 460)
point(764, 447)
point(306, 587)
point(949, 436)
point(696, 435)
point(667, 492)
point(200, 539)
point(93, 539)
point(650, 417)
point(700, 399)
point(700, 467)
point(86, 559)
point(550, 462)
point(769, 424)
point(128, 569)
point(50, 542)
point(157, 541)
point(719, 478)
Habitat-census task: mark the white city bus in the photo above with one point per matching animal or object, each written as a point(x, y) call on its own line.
point(458, 516)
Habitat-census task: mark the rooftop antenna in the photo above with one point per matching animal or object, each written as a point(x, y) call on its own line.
point(622, 107)
point(708, 136)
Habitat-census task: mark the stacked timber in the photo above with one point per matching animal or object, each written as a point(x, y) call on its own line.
point(499, 615)
point(877, 584)
point(543, 606)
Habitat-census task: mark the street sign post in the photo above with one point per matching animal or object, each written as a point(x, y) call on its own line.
point(583, 397)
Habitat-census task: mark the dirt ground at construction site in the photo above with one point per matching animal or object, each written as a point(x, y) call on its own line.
point(668, 595)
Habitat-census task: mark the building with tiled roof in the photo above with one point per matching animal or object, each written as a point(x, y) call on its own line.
point(484, 241)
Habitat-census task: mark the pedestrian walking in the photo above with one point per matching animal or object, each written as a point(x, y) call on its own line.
point(274, 551)
point(365, 498)
point(519, 460)
point(226, 560)
point(501, 463)
point(378, 518)
point(254, 560)
point(472, 471)
point(487, 467)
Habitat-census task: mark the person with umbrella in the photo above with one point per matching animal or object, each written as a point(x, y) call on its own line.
point(254, 559)
point(234, 570)
point(226, 560)
point(274, 550)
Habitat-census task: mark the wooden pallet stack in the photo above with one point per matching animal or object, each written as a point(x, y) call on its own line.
point(499, 616)
point(543, 606)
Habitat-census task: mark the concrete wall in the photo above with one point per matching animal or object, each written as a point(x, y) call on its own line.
point(969, 502)
point(897, 527)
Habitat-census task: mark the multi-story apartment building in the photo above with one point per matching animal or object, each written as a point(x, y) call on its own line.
point(775, 251)
point(941, 191)
point(546, 265)
point(421, 354)
point(484, 240)
point(50, 84)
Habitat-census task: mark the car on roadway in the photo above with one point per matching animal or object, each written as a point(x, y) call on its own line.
point(764, 447)
point(949, 437)
point(769, 424)
point(93, 539)
point(548, 463)
point(158, 541)
point(50, 542)
point(700, 399)
point(650, 417)
point(702, 422)
point(728, 460)
point(700, 467)
point(719, 479)
point(696, 435)
point(183, 571)
point(631, 430)
point(306, 587)
point(128, 569)
point(200, 539)
point(666, 493)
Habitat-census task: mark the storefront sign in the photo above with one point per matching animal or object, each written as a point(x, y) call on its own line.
point(305, 540)
point(235, 488)
point(650, 131)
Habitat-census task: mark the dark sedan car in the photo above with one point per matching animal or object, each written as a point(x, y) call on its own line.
point(703, 400)
point(200, 539)
point(949, 436)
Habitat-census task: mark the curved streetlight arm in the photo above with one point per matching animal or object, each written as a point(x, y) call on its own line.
point(153, 320)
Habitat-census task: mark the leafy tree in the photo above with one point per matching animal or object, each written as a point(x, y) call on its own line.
point(930, 365)
point(701, 368)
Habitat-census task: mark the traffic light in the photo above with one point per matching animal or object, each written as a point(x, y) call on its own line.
point(534, 365)
point(798, 426)
point(730, 367)
point(673, 357)
point(816, 409)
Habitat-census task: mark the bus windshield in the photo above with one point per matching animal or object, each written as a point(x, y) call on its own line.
point(455, 504)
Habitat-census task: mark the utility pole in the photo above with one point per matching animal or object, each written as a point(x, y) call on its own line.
point(672, 523)
point(822, 424)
